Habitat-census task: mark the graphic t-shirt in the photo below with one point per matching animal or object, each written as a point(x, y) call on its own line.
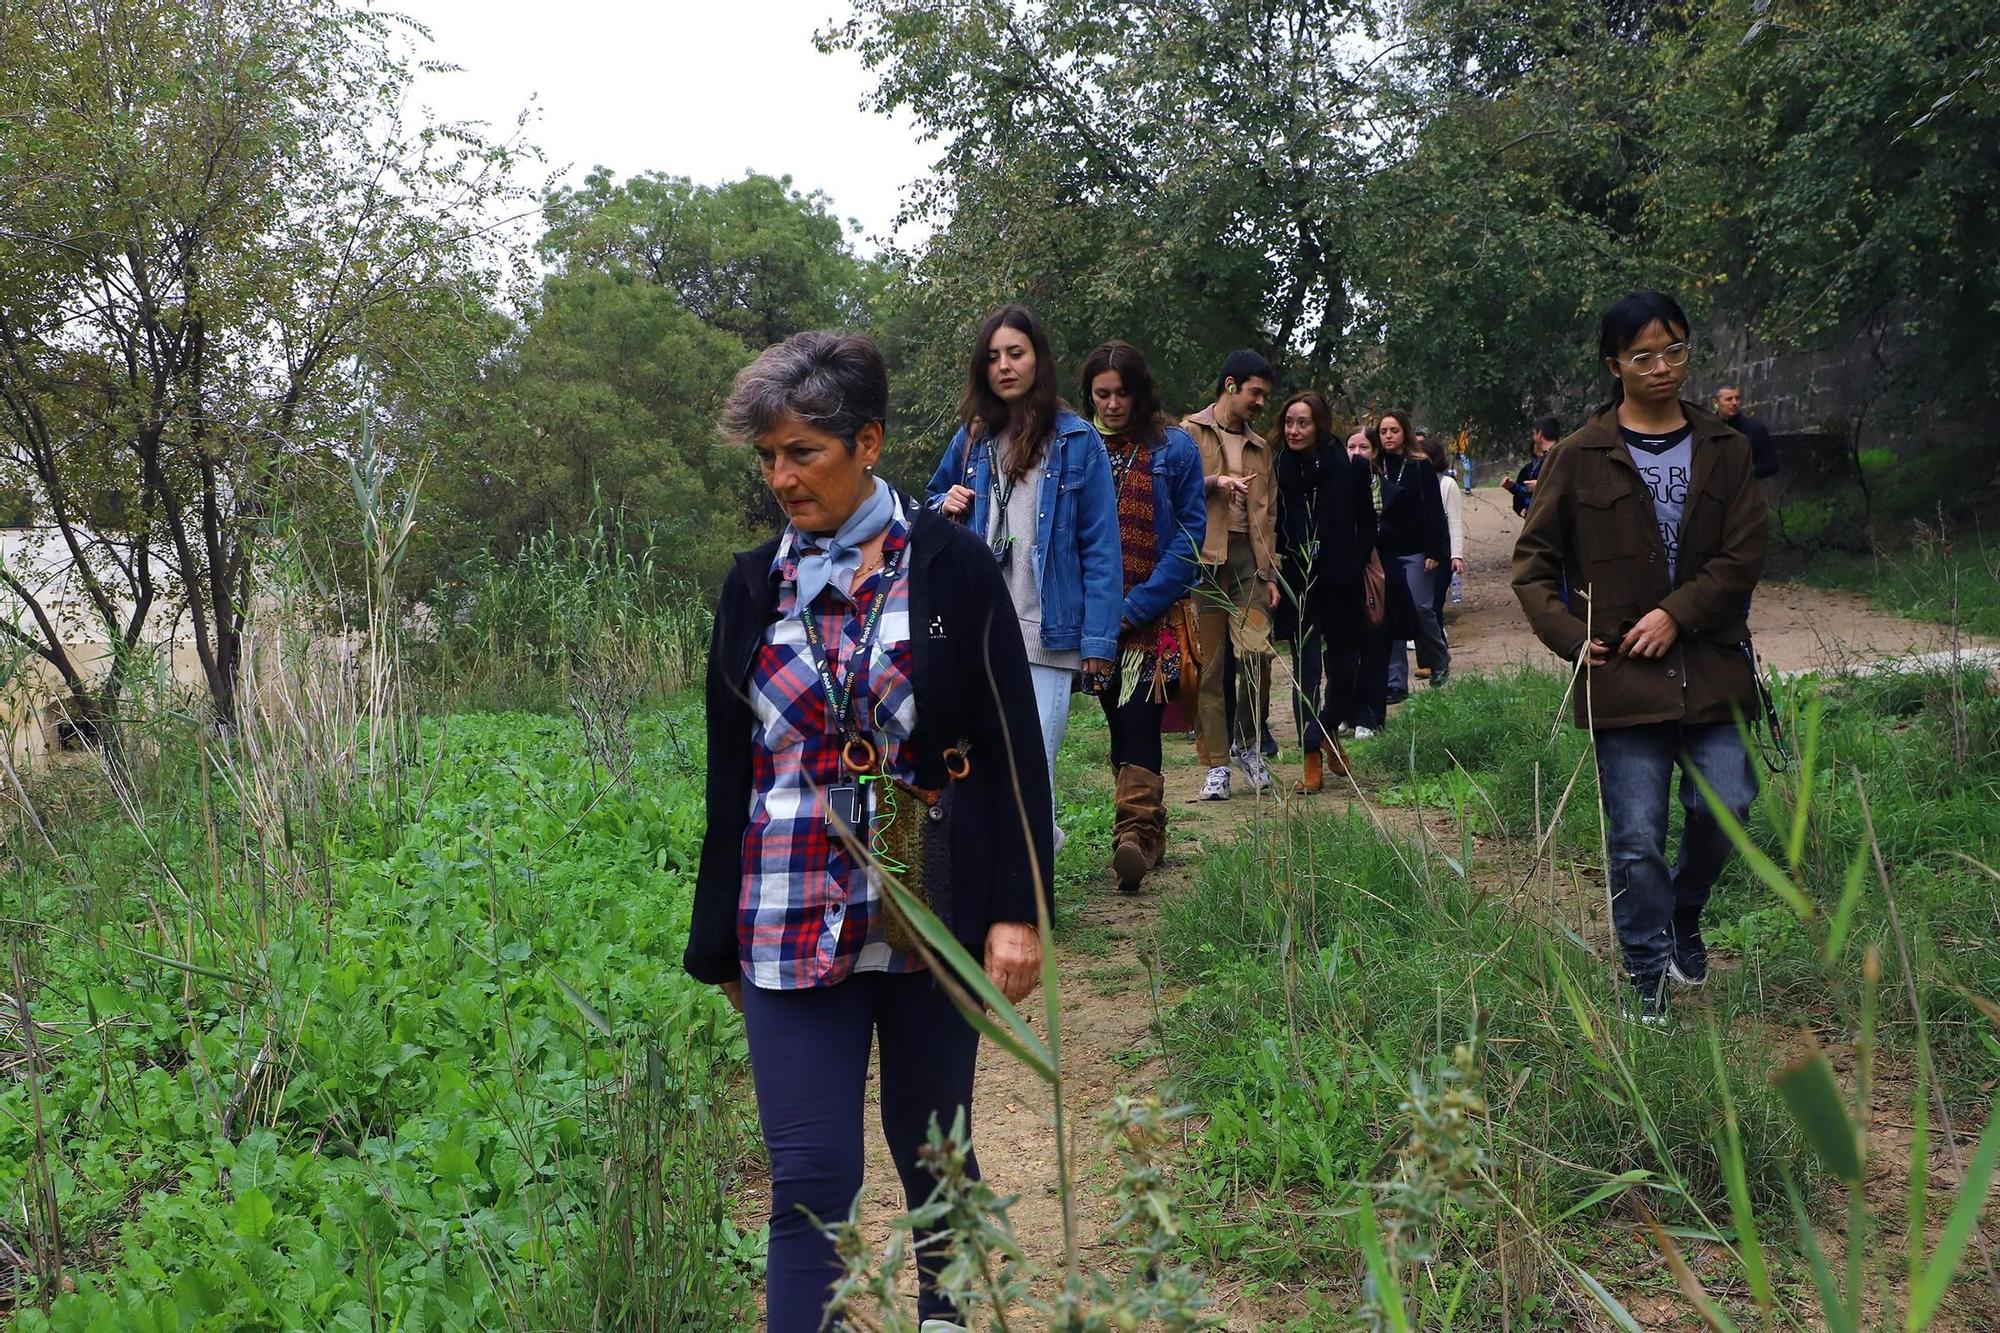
point(1665, 462)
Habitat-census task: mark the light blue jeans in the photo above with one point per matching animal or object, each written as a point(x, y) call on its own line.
point(1053, 687)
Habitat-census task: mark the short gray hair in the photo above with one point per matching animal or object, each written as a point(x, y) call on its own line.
point(835, 382)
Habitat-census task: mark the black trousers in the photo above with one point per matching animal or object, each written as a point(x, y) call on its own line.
point(1371, 694)
point(1316, 664)
point(1135, 727)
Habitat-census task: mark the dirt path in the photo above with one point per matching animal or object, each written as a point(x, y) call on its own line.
point(1797, 627)
point(1109, 1043)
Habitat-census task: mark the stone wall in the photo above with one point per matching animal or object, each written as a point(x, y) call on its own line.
point(1817, 392)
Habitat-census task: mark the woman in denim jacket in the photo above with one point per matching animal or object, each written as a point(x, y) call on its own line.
point(1162, 518)
point(1056, 536)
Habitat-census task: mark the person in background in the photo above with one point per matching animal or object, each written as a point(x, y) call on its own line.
point(1542, 437)
point(868, 626)
point(1415, 543)
point(1239, 567)
point(1162, 517)
point(1370, 706)
point(1454, 521)
point(1764, 454)
point(1652, 516)
point(1326, 528)
point(1032, 478)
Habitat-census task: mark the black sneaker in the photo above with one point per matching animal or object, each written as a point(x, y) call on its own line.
point(1649, 999)
point(1689, 965)
point(1268, 746)
point(1397, 696)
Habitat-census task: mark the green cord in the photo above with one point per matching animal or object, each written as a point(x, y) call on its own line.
point(885, 817)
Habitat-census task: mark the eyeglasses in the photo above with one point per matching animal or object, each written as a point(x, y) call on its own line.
point(1674, 354)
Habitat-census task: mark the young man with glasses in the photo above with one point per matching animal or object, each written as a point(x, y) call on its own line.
point(1652, 520)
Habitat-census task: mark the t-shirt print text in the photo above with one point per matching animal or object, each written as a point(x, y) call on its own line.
point(1665, 463)
point(1669, 485)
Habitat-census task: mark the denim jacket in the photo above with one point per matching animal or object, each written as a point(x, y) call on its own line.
point(1077, 561)
point(1180, 523)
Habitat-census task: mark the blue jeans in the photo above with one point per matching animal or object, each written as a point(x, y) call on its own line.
point(1431, 649)
point(1053, 687)
point(809, 1061)
point(1635, 767)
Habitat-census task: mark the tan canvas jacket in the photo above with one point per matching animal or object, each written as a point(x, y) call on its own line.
point(1591, 531)
point(1263, 500)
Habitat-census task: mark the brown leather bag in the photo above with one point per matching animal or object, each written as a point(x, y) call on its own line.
point(1375, 588)
point(1181, 616)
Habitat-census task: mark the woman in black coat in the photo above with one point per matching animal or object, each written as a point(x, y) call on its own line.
point(1326, 528)
point(866, 679)
point(1414, 541)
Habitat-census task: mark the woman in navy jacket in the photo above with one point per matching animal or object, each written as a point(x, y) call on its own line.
point(869, 626)
point(1162, 517)
point(1031, 477)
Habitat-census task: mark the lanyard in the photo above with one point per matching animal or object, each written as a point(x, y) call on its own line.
point(1121, 466)
point(1002, 540)
point(839, 694)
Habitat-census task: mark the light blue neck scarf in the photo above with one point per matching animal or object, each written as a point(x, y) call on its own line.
point(833, 560)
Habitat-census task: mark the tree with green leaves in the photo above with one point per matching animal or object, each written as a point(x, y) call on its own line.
point(1180, 174)
point(218, 224)
point(1814, 171)
point(604, 397)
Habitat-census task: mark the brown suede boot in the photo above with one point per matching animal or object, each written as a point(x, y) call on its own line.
point(1138, 837)
point(1315, 775)
point(1336, 758)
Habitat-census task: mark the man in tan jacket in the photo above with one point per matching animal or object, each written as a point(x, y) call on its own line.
point(1641, 550)
point(1239, 576)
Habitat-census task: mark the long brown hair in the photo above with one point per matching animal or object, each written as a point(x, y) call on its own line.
point(1434, 450)
point(1409, 431)
point(1322, 416)
point(981, 410)
point(1130, 366)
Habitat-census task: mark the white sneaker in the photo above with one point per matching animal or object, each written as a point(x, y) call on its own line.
point(941, 1326)
point(1255, 770)
point(1363, 733)
point(1217, 786)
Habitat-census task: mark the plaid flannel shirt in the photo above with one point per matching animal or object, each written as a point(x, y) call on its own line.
point(808, 914)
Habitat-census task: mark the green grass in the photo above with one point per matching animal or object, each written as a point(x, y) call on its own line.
point(487, 1094)
point(1945, 583)
point(1324, 970)
point(1925, 550)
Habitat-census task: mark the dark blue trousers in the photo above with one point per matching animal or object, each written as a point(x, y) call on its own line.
point(809, 1061)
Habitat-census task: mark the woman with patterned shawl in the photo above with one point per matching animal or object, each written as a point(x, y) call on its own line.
point(1162, 517)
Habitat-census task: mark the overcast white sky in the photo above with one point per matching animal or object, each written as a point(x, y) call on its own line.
point(692, 88)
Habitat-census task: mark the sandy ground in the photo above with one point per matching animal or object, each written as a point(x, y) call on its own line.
point(1109, 1045)
point(1796, 627)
